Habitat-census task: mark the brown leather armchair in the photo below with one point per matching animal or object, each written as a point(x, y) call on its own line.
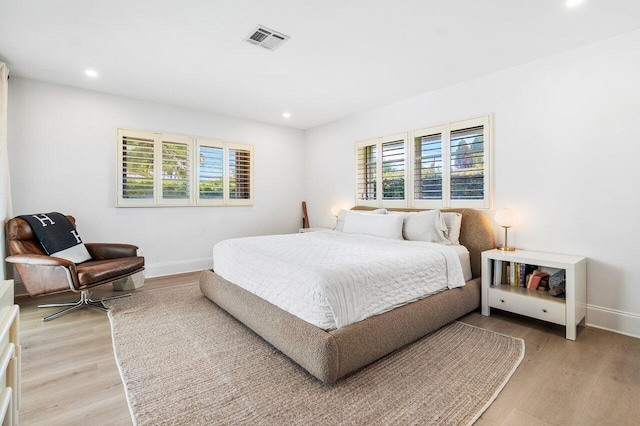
point(43, 274)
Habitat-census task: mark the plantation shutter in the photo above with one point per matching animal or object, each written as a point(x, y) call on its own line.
point(367, 171)
point(240, 174)
point(137, 160)
point(393, 170)
point(467, 157)
point(211, 172)
point(158, 169)
point(428, 167)
point(176, 171)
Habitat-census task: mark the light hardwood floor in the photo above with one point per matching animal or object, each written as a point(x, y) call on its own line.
point(69, 374)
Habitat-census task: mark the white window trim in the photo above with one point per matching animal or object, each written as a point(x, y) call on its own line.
point(193, 146)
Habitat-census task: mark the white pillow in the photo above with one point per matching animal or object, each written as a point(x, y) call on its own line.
point(380, 225)
point(425, 226)
point(342, 214)
point(454, 223)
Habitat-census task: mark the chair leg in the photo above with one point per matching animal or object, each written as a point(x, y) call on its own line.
point(102, 299)
point(85, 301)
point(59, 305)
point(99, 307)
point(62, 312)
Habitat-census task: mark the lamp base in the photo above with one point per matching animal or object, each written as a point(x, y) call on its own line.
point(505, 248)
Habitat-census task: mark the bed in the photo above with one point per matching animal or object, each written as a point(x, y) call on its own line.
point(332, 354)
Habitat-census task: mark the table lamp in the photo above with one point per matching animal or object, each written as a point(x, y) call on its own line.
point(506, 218)
point(335, 210)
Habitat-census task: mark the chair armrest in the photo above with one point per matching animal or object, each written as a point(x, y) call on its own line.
point(40, 260)
point(104, 251)
point(42, 274)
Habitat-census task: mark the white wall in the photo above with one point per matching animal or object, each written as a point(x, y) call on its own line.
point(62, 153)
point(567, 158)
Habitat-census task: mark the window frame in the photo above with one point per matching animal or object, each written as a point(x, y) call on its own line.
point(238, 201)
point(429, 131)
point(226, 147)
point(487, 129)
point(121, 201)
point(446, 201)
point(193, 150)
point(158, 164)
point(210, 143)
point(378, 143)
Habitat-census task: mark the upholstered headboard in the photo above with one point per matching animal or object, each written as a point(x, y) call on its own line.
point(476, 233)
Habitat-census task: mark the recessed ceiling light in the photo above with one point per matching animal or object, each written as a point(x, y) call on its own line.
point(573, 3)
point(286, 114)
point(91, 73)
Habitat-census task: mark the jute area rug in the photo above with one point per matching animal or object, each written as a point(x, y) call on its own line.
point(185, 361)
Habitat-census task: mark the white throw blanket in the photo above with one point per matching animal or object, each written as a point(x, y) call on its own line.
point(331, 279)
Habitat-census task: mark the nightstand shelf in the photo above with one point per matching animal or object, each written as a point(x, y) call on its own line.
point(568, 312)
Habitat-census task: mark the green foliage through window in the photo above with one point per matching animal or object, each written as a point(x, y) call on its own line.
point(137, 168)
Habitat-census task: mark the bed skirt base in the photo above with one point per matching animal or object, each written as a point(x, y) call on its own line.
point(332, 355)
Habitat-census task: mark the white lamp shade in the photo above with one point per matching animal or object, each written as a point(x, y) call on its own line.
point(335, 210)
point(506, 217)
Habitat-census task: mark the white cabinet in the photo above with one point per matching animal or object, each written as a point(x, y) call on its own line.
point(9, 356)
point(533, 303)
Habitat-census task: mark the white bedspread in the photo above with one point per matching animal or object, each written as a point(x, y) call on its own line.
point(331, 279)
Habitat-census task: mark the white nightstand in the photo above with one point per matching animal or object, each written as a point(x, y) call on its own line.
point(534, 303)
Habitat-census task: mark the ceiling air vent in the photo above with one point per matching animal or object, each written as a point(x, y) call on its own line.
point(264, 37)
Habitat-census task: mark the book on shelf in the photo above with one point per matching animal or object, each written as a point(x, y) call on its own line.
point(526, 271)
point(497, 272)
point(535, 279)
point(515, 274)
point(544, 283)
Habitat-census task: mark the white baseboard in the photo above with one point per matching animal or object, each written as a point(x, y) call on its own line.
point(177, 267)
point(613, 320)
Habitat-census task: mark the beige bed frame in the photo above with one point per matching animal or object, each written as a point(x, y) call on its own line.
point(332, 355)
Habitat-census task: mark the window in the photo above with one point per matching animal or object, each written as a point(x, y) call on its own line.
point(239, 172)
point(390, 171)
point(367, 174)
point(136, 182)
point(450, 167)
point(211, 172)
point(428, 165)
point(225, 173)
point(157, 169)
point(176, 169)
point(467, 163)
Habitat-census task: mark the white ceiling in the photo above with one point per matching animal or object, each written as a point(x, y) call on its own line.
point(344, 56)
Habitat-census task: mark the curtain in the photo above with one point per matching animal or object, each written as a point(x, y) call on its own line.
point(5, 189)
